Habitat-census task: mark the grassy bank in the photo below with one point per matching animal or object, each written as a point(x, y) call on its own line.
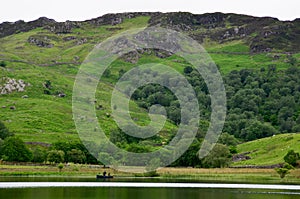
point(226, 175)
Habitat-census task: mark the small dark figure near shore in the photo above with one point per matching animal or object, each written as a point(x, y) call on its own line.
point(104, 173)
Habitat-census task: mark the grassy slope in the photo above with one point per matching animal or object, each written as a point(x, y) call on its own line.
point(43, 118)
point(47, 118)
point(268, 151)
point(235, 56)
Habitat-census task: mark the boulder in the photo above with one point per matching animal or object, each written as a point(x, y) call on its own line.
point(62, 95)
point(12, 108)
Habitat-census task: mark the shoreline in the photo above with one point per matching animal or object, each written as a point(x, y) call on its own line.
point(224, 175)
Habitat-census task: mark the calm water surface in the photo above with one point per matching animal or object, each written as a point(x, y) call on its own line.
point(132, 192)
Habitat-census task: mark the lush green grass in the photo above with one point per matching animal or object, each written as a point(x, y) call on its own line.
point(236, 55)
point(230, 47)
point(229, 62)
point(269, 151)
point(47, 118)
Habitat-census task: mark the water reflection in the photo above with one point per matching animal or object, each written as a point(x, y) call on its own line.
point(144, 189)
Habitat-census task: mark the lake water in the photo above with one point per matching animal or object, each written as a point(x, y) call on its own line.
point(78, 188)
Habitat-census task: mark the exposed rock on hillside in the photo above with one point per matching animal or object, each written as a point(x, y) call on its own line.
point(184, 21)
point(12, 85)
point(133, 56)
point(63, 27)
point(262, 34)
point(241, 157)
point(9, 28)
point(40, 41)
point(114, 19)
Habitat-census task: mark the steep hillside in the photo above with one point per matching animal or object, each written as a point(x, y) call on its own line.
point(268, 151)
point(46, 55)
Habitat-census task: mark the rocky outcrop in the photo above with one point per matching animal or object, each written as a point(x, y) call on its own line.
point(9, 28)
point(284, 36)
point(114, 19)
point(81, 41)
point(63, 27)
point(40, 41)
point(230, 34)
point(184, 21)
point(241, 157)
point(261, 34)
point(12, 85)
point(69, 38)
point(133, 56)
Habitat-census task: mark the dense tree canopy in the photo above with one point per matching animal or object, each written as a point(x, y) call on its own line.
point(261, 103)
point(14, 149)
point(292, 157)
point(4, 132)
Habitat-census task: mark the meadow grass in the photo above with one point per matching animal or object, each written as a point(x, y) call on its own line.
point(48, 118)
point(269, 151)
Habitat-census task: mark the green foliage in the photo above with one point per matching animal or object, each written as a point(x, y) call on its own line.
point(219, 157)
point(76, 156)
point(4, 132)
point(292, 60)
point(255, 130)
point(227, 139)
point(262, 103)
point(106, 73)
point(153, 165)
point(48, 84)
point(151, 174)
point(188, 69)
point(121, 72)
point(56, 156)
point(282, 172)
point(268, 151)
point(288, 166)
point(39, 154)
point(190, 157)
point(75, 152)
point(60, 166)
point(106, 158)
point(263, 99)
point(291, 158)
point(3, 64)
point(14, 149)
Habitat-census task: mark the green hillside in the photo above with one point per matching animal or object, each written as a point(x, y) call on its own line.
point(48, 118)
point(261, 77)
point(269, 151)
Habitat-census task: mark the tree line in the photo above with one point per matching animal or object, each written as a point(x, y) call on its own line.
point(260, 103)
point(14, 149)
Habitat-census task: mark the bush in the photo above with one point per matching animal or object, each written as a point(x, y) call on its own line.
point(3, 64)
point(219, 157)
point(39, 155)
point(56, 156)
point(60, 167)
point(4, 132)
point(76, 156)
point(151, 174)
point(291, 158)
point(14, 149)
point(282, 172)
